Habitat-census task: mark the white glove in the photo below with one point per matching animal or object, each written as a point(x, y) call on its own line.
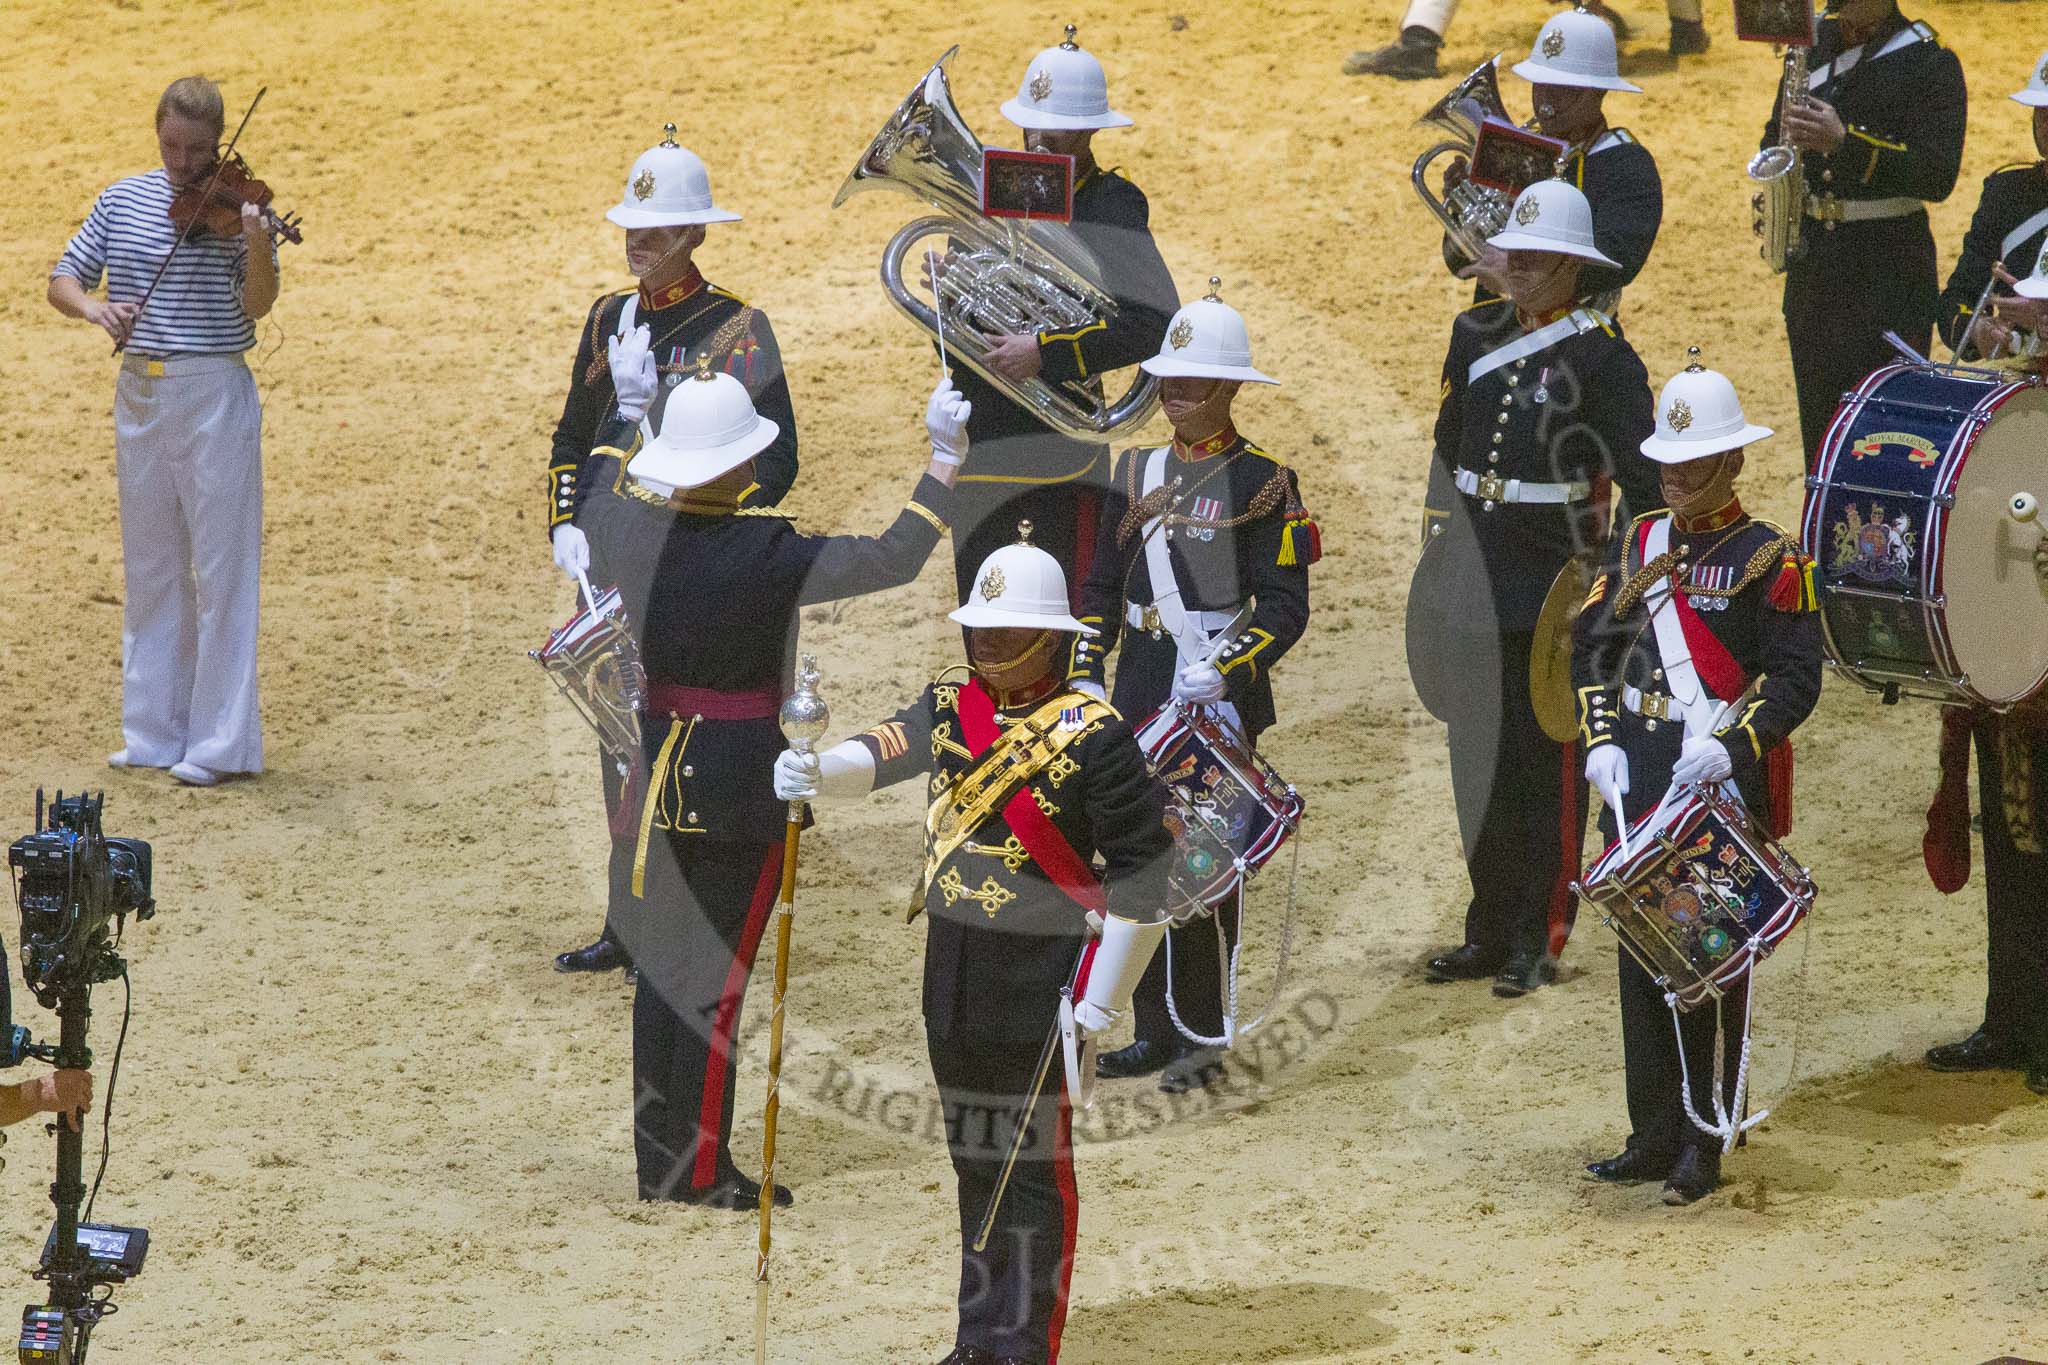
point(1120, 959)
point(1198, 683)
point(1607, 766)
point(846, 769)
point(1088, 688)
point(633, 373)
point(1702, 760)
point(572, 550)
point(945, 419)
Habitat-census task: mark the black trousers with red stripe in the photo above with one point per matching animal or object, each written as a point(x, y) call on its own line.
point(619, 865)
point(1013, 1294)
point(1521, 799)
point(693, 935)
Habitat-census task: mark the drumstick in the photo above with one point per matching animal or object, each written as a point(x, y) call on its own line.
point(588, 596)
point(1611, 793)
point(931, 260)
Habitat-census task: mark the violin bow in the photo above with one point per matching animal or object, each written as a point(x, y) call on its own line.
point(220, 162)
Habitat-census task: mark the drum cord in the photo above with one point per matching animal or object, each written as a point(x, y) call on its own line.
point(1231, 1030)
point(1729, 1124)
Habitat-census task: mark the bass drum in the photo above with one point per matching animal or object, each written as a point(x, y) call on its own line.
point(1429, 664)
point(1924, 574)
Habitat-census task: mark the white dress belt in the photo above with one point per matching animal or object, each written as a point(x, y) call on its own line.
point(1828, 209)
point(1518, 490)
point(1208, 622)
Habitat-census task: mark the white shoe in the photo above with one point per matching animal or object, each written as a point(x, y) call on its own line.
point(192, 775)
point(119, 759)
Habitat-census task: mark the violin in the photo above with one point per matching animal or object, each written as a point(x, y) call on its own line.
point(215, 208)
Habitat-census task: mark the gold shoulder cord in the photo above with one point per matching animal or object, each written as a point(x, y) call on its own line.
point(1017, 756)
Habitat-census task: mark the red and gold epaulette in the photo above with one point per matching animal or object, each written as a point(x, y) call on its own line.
point(1792, 590)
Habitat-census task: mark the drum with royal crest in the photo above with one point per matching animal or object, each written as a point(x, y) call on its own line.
point(1229, 811)
point(1925, 579)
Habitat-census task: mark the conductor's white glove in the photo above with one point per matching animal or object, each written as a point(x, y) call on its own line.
point(945, 420)
point(1704, 759)
point(633, 373)
point(572, 550)
point(1087, 687)
point(846, 769)
point(1607, 767)
point(1121, 957)
point(1198, 682)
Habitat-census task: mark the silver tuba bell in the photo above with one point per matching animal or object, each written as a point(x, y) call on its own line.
point(1470, 213)
point(1002, 276)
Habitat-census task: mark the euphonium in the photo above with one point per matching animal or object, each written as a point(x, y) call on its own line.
point(1001, 276)
point(1470, 213)
point(1778, 207)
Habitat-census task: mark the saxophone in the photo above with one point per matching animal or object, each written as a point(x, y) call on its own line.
point(1779, 204)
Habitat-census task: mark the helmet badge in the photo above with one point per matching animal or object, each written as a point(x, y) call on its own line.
point(1529, 211)
point(991, 585)
point(1680, 416)
point(643, 184)
point(1041, 85)
point(1183, 332)
point(1553, 43)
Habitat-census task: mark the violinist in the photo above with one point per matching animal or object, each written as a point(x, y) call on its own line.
point(187, 442)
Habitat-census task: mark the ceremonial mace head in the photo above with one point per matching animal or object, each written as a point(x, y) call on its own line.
point(805, 717)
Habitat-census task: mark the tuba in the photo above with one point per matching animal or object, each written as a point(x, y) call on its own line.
point(1002, 276)
point(1779, 204)
point(1470, 213)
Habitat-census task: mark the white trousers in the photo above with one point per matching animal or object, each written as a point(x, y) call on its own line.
point(1435, 15)
point(189, 448)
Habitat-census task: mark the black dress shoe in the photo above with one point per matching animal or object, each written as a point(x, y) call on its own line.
point(1523, 973)
point(1631, 1166)
point(1467, 963)
point(1694, 1177)
point(1411, 59)
point(1981, 1051)
point(734, 1191)
point(968, 1355)
point(1195, 1069)
point(1688, 37)
point(1141, 1058)
point(601, 956)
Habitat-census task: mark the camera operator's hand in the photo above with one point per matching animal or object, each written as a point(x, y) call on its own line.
point(64, 1092)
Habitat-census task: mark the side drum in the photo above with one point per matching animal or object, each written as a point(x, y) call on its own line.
point(1228, 810)
point(1926, 579)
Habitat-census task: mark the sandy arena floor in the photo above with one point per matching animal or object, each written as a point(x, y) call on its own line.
point(364, 1120)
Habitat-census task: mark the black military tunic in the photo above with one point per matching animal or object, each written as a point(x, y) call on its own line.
point(2011, 225)
point(1001, 940)
point(1619, 178)
point(1572, 413)
point(1905, 111)
point(1746, 604)
point(713, 595)
point(1018, 467)
point(1236, 532)
point(686, 320)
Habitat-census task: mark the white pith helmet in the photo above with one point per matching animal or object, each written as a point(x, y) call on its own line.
point(667, 187)
point(1206, 340)
point(708, 428)
point(1551, 215)
point(1019, 587)
point(1699, 415)
point(1575, 48)
point(2036, 93)
point(2034, 285)
point(1063, 87)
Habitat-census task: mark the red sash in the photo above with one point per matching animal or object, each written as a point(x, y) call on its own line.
point(1033, 827)
point(1726, 678)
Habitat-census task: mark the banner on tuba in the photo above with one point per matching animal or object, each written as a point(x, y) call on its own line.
point(1034, 185)
point(1000, 275)
point(1786, 22)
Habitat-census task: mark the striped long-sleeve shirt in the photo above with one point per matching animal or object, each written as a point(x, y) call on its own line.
point(198, 306)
